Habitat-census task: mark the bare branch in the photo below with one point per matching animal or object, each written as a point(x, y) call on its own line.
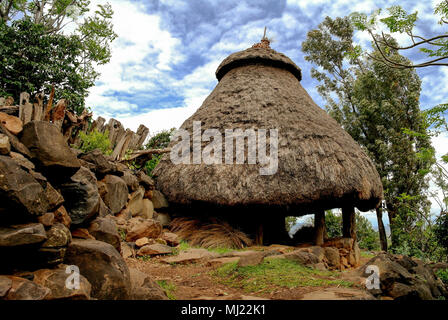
point(395, 64)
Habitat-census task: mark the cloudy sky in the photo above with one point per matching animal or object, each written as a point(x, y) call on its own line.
point(164, 60)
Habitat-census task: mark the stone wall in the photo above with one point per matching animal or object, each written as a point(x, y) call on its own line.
point(63, 209)
point(15, 116)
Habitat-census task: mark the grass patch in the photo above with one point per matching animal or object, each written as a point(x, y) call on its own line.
point(144, 258)
point(184, 246)
point(274, 273)
point(366, 254)
point(169, 288)
point(122, 234)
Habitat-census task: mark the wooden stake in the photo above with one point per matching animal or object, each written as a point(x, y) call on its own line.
point(259, 235)
point(348, 222)
point(319, 227)
point(49, 105)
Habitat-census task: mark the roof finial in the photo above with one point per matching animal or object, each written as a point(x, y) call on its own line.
point(264, 43)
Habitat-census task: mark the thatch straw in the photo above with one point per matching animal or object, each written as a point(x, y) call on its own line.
point(320, 165)
point(209, 234)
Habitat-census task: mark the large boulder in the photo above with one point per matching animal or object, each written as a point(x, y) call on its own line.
point(82, 199)
point(138, 228)
point(103, 267)
point(159, 200)
point(55, 280)
point(116, 193)
point(135, 204)
point(105, 229)
point(57, 236)
point(144, 288)
point(131, 180)
point(19, 235)
point(404, 278)
point(20, 192)
point(101, 166)
point(154, 250)
point(253, 259)
point(16, 145)
point(55, 199)
point(16, 288)
point(49, 148)
point(302, 257)
point(332, 257)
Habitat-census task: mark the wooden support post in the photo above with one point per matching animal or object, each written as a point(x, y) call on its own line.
point(319, 227)
point(259, 235)
point(348, 222)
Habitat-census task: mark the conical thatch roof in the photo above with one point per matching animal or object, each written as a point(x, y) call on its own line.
point(319, 165)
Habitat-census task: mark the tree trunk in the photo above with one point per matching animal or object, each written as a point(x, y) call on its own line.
point(348, 222)
point(381, 229)
point(319, 228)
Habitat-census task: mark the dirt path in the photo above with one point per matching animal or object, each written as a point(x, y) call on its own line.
point(194, 282)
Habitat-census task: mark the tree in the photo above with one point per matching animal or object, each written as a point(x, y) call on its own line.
point(32, 38)
point(160, 140)
point(365, 234)
point(378, 107)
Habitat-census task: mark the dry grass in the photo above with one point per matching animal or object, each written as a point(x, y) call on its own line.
point(209, 234)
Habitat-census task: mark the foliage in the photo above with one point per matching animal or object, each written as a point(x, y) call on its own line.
point(160, 140)
point(274, 273)
point(333, 224)
point(376, 105)
point(398, 20)
point(289, 222)
point(95, 140)
point(151, 164)
point(443, 275)
point(169, 288)
point(365, 234)
point(36, 54)
point(441, 231)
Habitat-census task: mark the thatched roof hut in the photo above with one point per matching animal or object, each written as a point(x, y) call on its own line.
point(320, 166)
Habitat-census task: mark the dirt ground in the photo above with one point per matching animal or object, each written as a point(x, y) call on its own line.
point(194, 282)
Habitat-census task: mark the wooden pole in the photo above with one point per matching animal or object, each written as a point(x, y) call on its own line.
point(319, 227)
point(381, 229)
point(348, 222)
point(259, 235)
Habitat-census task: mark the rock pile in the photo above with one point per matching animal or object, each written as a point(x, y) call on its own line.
point(404, 278)
point(61, 208)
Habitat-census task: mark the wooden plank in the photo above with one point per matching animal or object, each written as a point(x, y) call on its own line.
point(58, 113)
point(139, 137)
point(122, 145)
point(49, 105)
point(25, 108)
point(38, 113)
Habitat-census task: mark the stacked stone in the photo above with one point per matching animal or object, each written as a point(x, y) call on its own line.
point(58, 210)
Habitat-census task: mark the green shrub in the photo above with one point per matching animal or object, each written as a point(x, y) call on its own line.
point(95, 140)
point(443, 275)
point(151, 164)
point(161, 140)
